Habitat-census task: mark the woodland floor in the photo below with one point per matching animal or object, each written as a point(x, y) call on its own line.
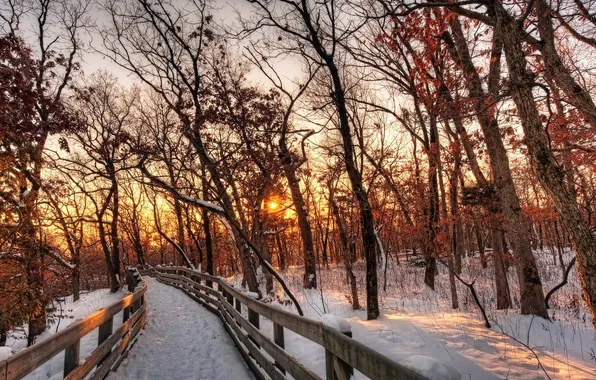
point(67, 313)
point(418, 327)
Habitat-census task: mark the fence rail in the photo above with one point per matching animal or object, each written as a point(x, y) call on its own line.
point(112, 345)
point(342, 353)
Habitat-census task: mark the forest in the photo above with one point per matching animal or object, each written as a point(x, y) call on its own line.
point(408, 146)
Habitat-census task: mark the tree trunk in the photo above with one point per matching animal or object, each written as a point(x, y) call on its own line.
point(310, 273)
point(35, 282)
point(34, 273)
point(244, 249)
point(532, 295)
point(343, 238)
point(480, 243)
point(280, 252)
point(114, 234)
point(113, 280)
point(258, 233)
point(180, 236)
point(75, 281)
point(432, 225)
point(501, 282)
point(207, 229)
point(544, 163)
point(366, 215)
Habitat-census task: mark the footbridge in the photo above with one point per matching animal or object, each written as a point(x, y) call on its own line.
point(177, 323)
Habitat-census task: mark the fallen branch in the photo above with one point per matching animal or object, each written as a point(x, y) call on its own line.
point(470, 287)
point(561, 284)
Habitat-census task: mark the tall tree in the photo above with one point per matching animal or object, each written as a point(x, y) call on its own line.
point(316, 27)
point(32, 110)
point(291, 162)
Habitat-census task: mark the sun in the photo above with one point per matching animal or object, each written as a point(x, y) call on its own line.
point(273, 205)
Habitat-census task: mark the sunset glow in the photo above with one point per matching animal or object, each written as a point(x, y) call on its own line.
point(409, 158)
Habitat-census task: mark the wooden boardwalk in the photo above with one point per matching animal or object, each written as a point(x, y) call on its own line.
point(181, 340)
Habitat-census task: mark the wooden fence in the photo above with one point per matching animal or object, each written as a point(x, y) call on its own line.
point(112, 345)
point(342, 353)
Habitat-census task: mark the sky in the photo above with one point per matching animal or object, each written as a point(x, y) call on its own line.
point(226, 14)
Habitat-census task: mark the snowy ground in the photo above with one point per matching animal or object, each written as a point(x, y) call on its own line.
point(71, 312)
point(418, 326)
point(182, 340)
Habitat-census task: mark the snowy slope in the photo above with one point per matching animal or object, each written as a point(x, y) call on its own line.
point(418, 328)
point(182, 340)
point(71, 312)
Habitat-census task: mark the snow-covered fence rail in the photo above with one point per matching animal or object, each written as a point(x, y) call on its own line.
point(112, 345)
point(343, 354)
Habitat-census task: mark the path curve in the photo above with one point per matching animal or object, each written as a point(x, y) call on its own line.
point(182, 340)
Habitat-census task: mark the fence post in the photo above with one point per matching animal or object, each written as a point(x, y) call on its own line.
point(335, 368)
point(131, 308)
point(253, 318)
point(105, 330)
point(278, 338)
point(71, 357)
point(139, 303)
point(131, 280)
point(125, 314)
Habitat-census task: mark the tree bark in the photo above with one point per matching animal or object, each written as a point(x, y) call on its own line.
point(532, 295)
point(207, 228)
point(550, 174)
point(501, 282)
point(343, 238)
point(480, 243)
point(114, 233)
point(280, 252)
point(432, 227)
point(310, 273)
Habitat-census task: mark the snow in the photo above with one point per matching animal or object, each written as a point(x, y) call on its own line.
point(59, 258)
point(381, 249)
point(5, 353)
point(183, 253)
point(336, 323)
point(252, 295)
point(204, 204)
point(432, 368)
point(224, 221)
point(417, 326)
point(182, 340)
point(71, 312)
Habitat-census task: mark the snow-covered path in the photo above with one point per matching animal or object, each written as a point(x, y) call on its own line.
point(182, 340)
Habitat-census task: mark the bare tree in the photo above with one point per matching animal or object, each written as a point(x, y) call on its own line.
point(163, 44)
point(315, 32)
point(56, 44)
